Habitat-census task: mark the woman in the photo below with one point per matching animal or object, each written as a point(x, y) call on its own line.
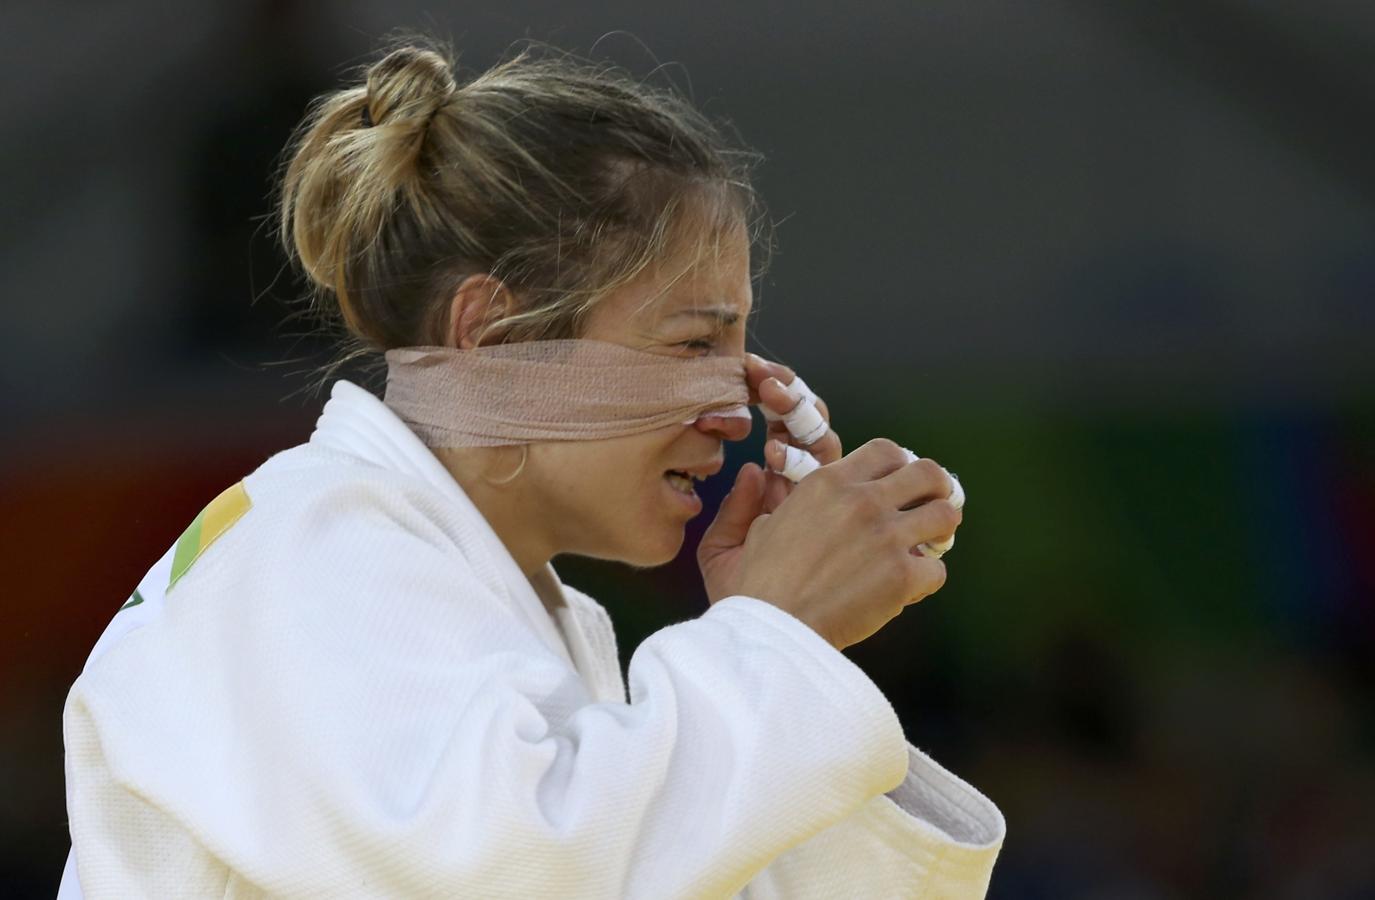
point(357, 674)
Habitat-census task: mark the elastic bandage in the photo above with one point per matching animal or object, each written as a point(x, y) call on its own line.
point(556, 390)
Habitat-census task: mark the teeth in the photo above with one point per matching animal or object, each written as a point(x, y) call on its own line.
point(679, 482)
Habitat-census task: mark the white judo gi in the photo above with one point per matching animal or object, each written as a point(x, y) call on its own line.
point(350, 690)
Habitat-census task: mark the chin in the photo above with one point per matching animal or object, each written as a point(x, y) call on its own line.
point(651, 548)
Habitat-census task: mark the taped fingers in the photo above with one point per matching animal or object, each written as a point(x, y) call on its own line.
point(805, 423)
point(797, 463)
point(805, 419)
point(956, 494)
point(924, 480)
point(798, 387)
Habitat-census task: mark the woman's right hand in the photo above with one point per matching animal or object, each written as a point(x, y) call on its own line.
point(837, 553)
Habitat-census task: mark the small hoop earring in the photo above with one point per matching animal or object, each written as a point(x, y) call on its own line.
point(524, 455)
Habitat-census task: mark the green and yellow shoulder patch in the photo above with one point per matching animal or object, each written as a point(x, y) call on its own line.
point(213, 521)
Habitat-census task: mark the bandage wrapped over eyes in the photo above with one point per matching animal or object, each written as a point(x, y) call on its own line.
point(558, 390)
point(577, 389)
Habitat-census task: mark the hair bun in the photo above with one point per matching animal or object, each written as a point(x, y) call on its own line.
point(409, 82)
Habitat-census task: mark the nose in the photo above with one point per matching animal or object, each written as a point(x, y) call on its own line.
point(725, 428)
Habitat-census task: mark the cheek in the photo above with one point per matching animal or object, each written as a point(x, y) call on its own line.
point(619, 479)
point(627, 491)
point(635, 479)
point(612, 500)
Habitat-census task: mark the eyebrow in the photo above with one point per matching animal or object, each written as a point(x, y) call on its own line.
point(721, 314)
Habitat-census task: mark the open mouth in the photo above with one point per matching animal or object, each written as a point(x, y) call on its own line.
point(681, 482)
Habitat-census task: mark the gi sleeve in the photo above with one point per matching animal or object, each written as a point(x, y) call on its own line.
point(344, 707)
point(934, 836)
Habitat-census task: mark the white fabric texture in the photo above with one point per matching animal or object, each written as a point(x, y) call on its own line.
point(354, 692)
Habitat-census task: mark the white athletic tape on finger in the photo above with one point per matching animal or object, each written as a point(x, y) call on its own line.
point(956, 495)
point(798, 386)
point(805, 423)
point(798, 464)
point(956, 491)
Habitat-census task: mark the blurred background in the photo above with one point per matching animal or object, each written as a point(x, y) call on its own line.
point(1111, 262)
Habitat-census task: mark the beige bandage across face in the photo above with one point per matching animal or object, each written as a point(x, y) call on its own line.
point(571, 390)
point(557, 390)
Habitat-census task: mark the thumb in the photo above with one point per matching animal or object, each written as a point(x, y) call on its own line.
point(738, 511)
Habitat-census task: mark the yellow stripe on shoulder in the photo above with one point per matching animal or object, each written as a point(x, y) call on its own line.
point(222, 512)
point(213, 521)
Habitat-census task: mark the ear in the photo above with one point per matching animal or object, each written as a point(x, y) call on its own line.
point(478, 301)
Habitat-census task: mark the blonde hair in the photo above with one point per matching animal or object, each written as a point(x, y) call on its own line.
point(560, 178)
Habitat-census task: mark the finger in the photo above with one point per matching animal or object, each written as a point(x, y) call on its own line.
point(757, 369)
point(791, 462)
point(829, 449)
point(916, 482)
point(927, 576)
point(778, 396)
point(931, 523)
point(776, 490)
point(774, 418)
point(870, 462)
point(798, 410)
point(775, 457)
point(935, 549)
point(957, 495)
point(775, 404)
point(738, 511)
point(782, 404)
point(939, 547)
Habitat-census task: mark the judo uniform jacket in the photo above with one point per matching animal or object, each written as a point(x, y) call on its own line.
point(338, 683)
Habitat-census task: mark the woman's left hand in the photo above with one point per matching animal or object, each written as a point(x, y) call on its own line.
point(769, 386)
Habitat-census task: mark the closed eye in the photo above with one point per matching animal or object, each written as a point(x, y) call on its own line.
point(697, 344)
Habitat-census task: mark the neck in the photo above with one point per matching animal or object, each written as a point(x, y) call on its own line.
point(513, 516)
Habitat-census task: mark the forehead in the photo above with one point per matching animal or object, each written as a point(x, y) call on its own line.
point(716, 283)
